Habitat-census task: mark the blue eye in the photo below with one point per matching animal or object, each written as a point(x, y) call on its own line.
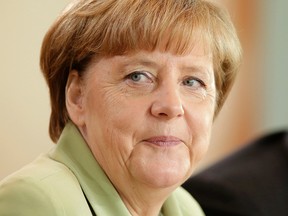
point(135, 76)
point(193, 82)
point(139, 77)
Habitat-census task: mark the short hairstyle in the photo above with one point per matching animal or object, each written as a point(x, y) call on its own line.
point(89, 28)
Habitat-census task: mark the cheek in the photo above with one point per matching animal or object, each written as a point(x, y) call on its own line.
point(112, 113)
point(109, 128)
point(201, 121)
point(101, 103)
point(201, 142)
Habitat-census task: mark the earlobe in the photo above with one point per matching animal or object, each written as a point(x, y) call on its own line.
point(74, 102)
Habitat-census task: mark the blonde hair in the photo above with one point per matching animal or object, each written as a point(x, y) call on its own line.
point(89, 28)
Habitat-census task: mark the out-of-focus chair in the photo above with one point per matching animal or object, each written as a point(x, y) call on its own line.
point(251, 182)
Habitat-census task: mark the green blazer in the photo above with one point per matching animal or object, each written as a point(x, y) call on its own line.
point(68, 181)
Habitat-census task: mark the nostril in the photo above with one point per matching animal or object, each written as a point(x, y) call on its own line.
point(162, 114)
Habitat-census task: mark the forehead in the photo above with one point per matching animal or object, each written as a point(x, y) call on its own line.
point(198, 53)
point(194, 62)
point(158, 58)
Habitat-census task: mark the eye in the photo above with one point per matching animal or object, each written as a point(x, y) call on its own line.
point(193, 82)
point(139, 77)
point(136, 76)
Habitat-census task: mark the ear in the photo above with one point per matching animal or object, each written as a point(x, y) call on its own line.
point(74, 98)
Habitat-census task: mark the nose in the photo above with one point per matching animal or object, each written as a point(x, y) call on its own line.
point(168, 103)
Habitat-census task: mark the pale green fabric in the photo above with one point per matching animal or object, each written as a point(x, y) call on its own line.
point(53, 185)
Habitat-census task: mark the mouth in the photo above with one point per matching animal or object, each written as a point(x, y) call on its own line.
point(164, 141)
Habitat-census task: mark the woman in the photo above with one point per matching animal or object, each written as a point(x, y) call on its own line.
point(134, 88)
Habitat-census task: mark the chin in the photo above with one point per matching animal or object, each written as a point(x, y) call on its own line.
point(165, 178)
point(160, 168)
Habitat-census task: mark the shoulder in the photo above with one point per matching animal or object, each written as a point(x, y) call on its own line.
point(188, 204)
point(183, 204)
point(39, 188)
point(186, 200)
point(21, 196)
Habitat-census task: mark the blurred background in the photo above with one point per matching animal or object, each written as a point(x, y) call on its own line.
point(258, 103)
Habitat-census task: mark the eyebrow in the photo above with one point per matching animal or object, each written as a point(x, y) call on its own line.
point(150, 62)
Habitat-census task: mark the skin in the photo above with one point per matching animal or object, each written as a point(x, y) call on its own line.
point(147, 119)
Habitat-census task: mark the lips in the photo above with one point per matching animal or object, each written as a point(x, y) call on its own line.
point(164, 141)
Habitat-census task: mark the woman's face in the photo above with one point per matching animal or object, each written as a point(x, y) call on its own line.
point(147, 116)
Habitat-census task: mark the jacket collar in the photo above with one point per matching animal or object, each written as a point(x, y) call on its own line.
point(72, 151)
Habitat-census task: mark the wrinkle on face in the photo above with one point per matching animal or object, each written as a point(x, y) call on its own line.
point(119, 119)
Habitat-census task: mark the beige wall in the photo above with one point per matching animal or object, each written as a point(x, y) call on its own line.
point(24, 111)
point(259, 102)
point(239, 119)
